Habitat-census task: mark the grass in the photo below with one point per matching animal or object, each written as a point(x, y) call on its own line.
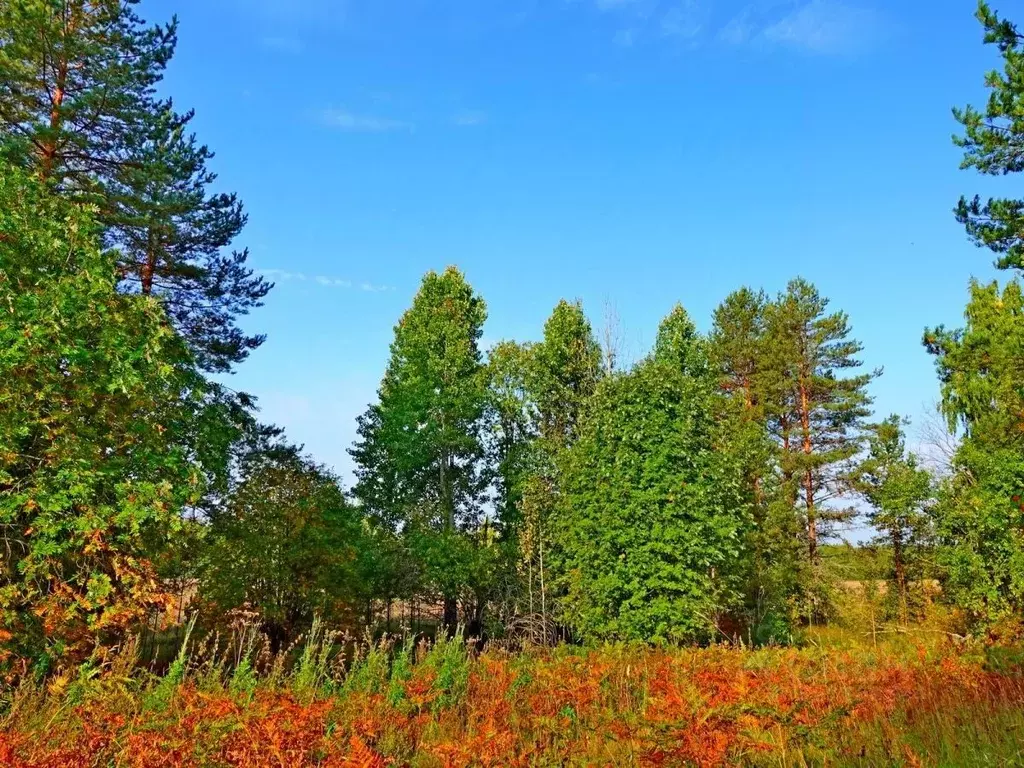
point(879, 704)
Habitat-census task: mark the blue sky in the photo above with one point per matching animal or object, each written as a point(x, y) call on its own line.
point(637, 152)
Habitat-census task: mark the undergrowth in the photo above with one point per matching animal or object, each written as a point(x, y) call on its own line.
point(332, 701)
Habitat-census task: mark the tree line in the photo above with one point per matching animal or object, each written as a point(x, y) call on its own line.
point(537, 490)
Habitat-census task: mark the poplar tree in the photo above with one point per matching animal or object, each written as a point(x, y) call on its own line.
point(512, 427)
point(564, 371)
point(652, 519)
point(737, 346)
point(420, 450)
point(79, 109)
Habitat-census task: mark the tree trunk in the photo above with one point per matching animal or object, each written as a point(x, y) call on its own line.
point(48, 148)
point(812, 523)
point(899, 568)
point(451, 614)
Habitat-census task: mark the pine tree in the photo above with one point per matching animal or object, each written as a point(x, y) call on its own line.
point(817, 414)
point(993, 143)
point(899, 492)
point(420, 450)
point(740, 359)
point(78, 108)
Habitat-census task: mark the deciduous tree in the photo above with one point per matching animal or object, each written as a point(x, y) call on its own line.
point(981, 510)
point(421, 446)
point(287, 546)
point(100, 402)
point(652, 520)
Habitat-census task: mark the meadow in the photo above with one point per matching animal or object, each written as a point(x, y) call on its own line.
point(841, 699)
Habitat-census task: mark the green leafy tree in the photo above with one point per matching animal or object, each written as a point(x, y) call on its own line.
point(652, 519)
point(980, 513)
point(993, 144)
point(740, 359)
point(899, 492)
point(737, 347)
point(99, 402)
point(513, 429)
point(511, 445)
point(565, 368)
point(78, 108)
point(287, 546)
point(420, 451)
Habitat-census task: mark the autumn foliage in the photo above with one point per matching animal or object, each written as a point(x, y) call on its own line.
point(613, 706)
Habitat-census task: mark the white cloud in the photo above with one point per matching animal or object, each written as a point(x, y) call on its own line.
point(371, 288)
point(739, 30)
point(684, 21)
point(825, 26)
point(333, 281)
point(281, 274)
point(324, 280)
point(350, 121)
point(468, 118)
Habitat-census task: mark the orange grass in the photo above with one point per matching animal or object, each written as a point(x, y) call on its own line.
point(611, 706)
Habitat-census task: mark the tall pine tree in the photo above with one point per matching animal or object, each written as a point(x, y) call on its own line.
point(740, 359)
point(815, 411)
point(78, 107)
point(993, 144)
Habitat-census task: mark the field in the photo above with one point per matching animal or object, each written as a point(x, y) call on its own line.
point(901, 702)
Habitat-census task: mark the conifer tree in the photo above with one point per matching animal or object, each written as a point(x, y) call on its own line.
point(420, 450)
point(899, 492)
point(78, 107)
point(739, 356)
point(815, 411)
point(993, 143)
